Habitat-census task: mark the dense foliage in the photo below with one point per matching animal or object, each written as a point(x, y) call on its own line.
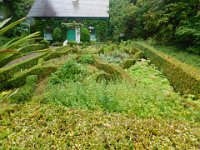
point(17, 9)
point(85, 35)
point(164, 21)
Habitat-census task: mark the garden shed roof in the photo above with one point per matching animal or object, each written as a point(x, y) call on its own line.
point(70, 8)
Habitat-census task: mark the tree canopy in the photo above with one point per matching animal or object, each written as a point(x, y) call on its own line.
point(165, 21)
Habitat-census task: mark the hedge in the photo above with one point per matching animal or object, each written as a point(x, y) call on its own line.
point(113, 70)
point(7, 73)
point(184, 78)
point(57, 54)
point(28, 49)
point(20, 80)
point(33, 47)
point(25, 92)
point(127, 63)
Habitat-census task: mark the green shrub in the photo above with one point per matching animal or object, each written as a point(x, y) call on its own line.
point(56, 44)
point(87, 58)
point(71, 71)
point(45, 42)
point(115, 71)
point(25, 93)
point(57, 35)
point(184, 78)
point(72, 43)
point(138, 55)
point(127, 63)
point(85, 35)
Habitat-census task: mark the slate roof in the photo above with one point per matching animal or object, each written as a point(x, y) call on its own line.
point(70, 9)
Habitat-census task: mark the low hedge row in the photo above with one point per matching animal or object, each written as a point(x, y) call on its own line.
point(7, 73)
point(57, 54)
point(28, 49)
point(184, 78)
point(20, 79)
point(33, 47)
point(113, 70)
point(25, 92)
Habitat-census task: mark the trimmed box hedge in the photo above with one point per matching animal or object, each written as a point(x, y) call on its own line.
point(57, 54)
point(25, 93)
point(7, 73)
point(28, 49)
point(20, 80)
point(33, 47)
point(113, 70)
point(184, 78)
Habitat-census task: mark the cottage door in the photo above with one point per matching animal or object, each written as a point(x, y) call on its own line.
point(71, 35)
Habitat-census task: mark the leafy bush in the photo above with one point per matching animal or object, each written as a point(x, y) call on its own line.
point(56, 44)
point(57, 35)
point(25, 93)
point(71, 71)
point(87, 58)
point(45, 42)
point(85, 35)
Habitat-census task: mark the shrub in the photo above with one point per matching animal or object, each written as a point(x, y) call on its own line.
point(56, 44)
point(45, 42)
point(71, 71)
point(115, 71)
point(57, 35)
point(127, 63)
point(85, 35)
point(25, 93)
point(72, 43)
point(87, 58)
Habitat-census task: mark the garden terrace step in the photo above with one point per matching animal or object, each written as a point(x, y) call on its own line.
point(184, 78)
